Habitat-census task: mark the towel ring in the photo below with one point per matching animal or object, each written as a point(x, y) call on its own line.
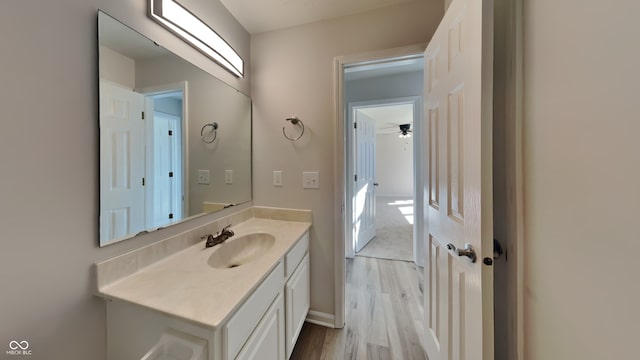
point(295, 121)
point(214, 127)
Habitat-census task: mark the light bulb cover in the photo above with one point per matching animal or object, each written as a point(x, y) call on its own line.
point(177, 19)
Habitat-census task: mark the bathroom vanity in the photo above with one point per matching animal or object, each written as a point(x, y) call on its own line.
point(194, 303)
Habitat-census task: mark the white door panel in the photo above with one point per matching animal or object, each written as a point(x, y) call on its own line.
point(122, 163)
point(164, 156)
point(364, 196)
point(458, 80)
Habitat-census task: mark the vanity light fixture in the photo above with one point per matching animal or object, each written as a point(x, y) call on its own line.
point(179, 20)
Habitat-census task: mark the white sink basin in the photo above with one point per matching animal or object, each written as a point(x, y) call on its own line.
point(242, 250)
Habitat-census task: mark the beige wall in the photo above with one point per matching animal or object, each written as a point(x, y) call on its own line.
point(447, 3)
point(117, 68)
point(582, 193)
point(394, 165)
point(293, 73)
point(49, 159)
point(208, 100)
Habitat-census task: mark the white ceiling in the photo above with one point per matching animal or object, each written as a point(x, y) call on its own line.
point(124, 40)
point(258, 16)
point(388, 117)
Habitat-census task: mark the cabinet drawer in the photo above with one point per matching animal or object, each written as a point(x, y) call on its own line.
point(240, 326)
point(296, 254)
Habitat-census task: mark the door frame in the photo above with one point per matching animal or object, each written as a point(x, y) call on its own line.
point(516, 127)
point(340, 164)
point(172, 87)
point(416, 102)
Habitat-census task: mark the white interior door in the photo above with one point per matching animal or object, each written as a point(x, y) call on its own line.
point(364, 199)
point(458, 100)
point(165, 161)
point(122, 165)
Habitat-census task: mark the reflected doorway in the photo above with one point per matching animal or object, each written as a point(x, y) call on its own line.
point(164, 187)
point(382, 166)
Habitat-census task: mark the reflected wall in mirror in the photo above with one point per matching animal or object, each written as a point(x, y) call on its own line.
point(158, 165)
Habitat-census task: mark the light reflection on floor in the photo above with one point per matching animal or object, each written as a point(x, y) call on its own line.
point(407, 211)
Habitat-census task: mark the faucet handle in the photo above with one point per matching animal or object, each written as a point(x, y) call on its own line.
point(225, 230)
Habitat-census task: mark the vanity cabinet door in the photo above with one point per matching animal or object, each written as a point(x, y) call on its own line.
point(297, 298)
point(267, 340)
point(245, 320)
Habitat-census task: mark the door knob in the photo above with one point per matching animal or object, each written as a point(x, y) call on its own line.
point(375, 184)
point(467, 251)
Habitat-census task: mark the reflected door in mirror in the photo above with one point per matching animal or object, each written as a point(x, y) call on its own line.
point(122, 162)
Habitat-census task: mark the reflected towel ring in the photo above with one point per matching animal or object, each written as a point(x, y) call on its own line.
point(295, 121)
point(214, 127)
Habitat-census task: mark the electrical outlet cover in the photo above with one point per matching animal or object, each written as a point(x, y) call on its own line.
point(277, 178)
point(203, 177)
point(310, 180)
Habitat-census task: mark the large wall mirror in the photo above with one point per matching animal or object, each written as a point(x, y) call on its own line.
point(175, 142)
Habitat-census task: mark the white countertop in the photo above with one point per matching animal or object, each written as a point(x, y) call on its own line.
point(185, 286)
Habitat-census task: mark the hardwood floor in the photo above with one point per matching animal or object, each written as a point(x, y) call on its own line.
point(383, 316)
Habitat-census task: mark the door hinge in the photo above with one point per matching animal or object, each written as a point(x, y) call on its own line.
point(170, 173)
point(142, 181)
point(355, 178)
point(170, 132)
point(355, 125)
point(170, 216)
point(142, 115)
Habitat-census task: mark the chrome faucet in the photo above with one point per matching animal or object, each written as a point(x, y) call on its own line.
point(219, 238)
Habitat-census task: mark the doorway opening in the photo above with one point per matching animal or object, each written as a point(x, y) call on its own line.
point(165, 122)
point(382, 131)
point(365, 84)
point(383, 190)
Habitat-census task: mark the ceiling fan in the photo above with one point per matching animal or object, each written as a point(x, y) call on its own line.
point(404, 132)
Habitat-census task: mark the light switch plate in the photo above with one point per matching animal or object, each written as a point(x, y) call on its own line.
point(203, 177)
point(277, 178)
point(310, 180)
point(228, 176)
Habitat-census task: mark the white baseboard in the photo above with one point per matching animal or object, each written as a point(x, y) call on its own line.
point(320, 318)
